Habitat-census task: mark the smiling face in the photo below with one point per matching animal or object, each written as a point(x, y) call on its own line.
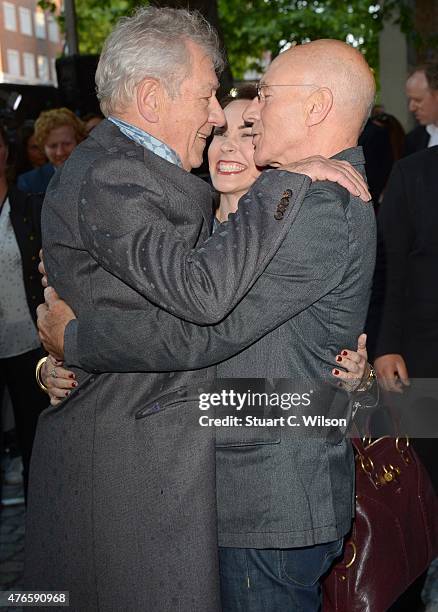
point(231, 153)
point(60, 144)
point(423, 101)
point(194, 111)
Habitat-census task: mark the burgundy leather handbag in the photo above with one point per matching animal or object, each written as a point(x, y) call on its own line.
point(394, 536)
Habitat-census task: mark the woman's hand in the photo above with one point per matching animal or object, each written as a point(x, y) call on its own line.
point(355, 367)
point(58, 380)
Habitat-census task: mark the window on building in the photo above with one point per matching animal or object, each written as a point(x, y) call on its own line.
point(29, 65)
point(40, 24)
point(13, 62)
point(9, 17)
point(25, 20)
point(54, 75)
point(53, 29)
point(43, 68)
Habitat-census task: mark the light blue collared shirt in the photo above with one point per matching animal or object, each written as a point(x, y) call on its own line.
point(147, 141)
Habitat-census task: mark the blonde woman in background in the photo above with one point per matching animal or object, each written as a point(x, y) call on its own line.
point(57, 133)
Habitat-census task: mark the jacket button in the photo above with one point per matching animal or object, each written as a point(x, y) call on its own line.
point(31, 237)
point(34, 297)
point(284, 201)
point(287, 193)
point(278, 215)
point(31, 277)
point(33, 257)
point(281, 207)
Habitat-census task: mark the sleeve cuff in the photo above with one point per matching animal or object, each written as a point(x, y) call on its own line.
point(71, 343)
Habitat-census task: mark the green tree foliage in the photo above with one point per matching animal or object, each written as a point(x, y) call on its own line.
point(271, 25)
point(95, 19)
point(251, 27)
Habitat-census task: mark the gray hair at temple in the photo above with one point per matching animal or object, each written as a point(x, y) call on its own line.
point(151, 43)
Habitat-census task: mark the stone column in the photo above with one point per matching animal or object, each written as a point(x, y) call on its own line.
point(393, 51)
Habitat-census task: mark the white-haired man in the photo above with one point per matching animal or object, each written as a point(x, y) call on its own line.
point(122, 509)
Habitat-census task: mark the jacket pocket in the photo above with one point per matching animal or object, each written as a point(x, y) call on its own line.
point(250, 430)
point(162, 402)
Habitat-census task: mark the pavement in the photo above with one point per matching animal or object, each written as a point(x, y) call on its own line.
point(12, 523)
point(12, 520)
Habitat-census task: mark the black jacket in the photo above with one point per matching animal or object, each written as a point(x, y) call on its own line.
point(26, 221)
point(416, 140)
point(403, 315)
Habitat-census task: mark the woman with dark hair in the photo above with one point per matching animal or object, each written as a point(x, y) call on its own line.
point(28, 154)
point(20, 294)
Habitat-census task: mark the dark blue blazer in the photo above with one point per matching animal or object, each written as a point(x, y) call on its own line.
point(37, 180)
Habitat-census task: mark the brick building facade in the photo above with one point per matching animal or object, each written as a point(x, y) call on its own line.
point(30, 42)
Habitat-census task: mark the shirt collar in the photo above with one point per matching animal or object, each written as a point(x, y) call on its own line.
point(147, 141)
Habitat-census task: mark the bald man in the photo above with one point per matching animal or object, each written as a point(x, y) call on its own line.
point(285, 501)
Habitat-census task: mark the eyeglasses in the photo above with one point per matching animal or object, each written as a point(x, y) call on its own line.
point(261, 85)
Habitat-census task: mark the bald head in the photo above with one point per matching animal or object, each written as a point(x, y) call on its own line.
point(340, 68)
point(315, 99)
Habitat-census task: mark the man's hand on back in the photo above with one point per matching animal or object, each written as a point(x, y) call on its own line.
point(392, 373)
point(53, 317)
point(319, 168)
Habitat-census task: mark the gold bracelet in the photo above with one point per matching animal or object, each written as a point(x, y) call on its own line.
point(367, 384)
point(40, 383)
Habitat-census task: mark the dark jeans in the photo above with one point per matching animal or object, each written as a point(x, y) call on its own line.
point(274, 580)
point(18, 374)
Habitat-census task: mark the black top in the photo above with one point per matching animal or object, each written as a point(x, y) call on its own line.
point(403, 315)
point(416, 140)
point(26, 222)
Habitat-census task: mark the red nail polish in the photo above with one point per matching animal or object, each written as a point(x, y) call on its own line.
point(71, 375)
point(336, 372)
point(67, 393)
point(74, 384)
point(344, 353)
point(338, 358)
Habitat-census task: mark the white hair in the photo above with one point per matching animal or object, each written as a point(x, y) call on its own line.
point(151, 43)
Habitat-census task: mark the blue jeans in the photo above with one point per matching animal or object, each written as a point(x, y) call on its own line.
point(275, 580)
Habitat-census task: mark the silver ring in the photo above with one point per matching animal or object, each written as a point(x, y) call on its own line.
point(53, 373)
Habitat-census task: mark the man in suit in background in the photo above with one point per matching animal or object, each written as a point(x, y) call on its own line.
point(403, 318)
point(422, 93)
point(284, 504)
point(122, 509)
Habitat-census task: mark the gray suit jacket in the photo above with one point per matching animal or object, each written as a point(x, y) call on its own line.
point(276, 491)
point(122, 502)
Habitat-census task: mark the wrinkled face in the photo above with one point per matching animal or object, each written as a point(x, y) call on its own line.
point(3, 155)
point(278, 115)
point(231, 153)
point(194, 111)
point(59, 144)
point(423, 101)
point(34, 153)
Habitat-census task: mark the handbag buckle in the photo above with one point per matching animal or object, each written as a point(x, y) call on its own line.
point(390, 473)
